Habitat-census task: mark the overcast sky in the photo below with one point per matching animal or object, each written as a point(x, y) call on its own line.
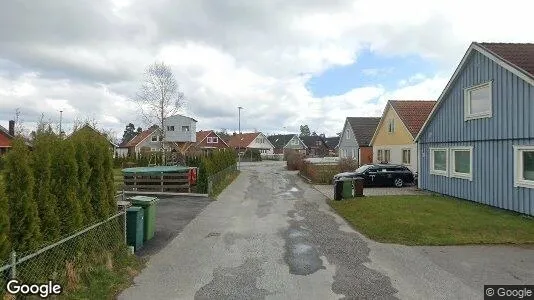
point(287, 62)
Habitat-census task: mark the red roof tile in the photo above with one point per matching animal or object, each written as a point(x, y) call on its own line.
point(201, 135)
point(520, 56)
point(413, 113)
point(139, 137)
point(242, 140)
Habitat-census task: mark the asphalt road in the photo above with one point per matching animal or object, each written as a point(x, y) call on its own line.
point(272, 236)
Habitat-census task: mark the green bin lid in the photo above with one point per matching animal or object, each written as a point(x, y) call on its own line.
point(134, 209)
point(143, 200)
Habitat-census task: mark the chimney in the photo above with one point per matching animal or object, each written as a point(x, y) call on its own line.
point(11, 127)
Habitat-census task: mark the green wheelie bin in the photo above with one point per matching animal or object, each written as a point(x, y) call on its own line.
point(134, 227)
point(149, 206)
point(347, 188)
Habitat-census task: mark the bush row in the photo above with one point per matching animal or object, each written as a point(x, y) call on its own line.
point(59, 187)
point(210, 165)
point(321, 174)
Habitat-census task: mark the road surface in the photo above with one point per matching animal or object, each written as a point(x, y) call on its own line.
point(272, 236)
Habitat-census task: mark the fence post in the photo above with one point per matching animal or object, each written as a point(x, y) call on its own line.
point(13, 265)
point(210, 185)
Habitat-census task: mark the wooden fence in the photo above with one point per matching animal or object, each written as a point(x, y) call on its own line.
point(165, 182)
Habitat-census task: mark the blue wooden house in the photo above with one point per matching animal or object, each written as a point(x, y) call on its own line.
point(478, 142)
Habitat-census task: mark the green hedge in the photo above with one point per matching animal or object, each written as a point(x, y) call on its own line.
point(210, 165)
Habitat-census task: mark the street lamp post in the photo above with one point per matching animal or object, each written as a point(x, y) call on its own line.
point(60, 120)
point(239, 108)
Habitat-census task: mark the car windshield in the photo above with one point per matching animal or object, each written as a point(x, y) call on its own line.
point(362, 168)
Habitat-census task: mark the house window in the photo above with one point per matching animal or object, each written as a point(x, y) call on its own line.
point(212, 140)
point(379, 155)
point(406, 156)
point(387, 155)
point(170, 128)
point(347, 134)
point(524, 166)
point(154, 138)
point(439, 161)
point(294, 142)
point(478, 101)
point(185, 128)
point(462, 162)
point(391, 126)
point(318, 143)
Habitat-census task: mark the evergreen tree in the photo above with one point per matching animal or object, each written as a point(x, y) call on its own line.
point(65, 187)
point(97, 180)
point(84, 173)
point(5, 244)
point(42, 172)
point(25, 234)
point(129, 133)
point(109, 181)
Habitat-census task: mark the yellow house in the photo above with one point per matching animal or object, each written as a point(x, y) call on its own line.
point(393, 140)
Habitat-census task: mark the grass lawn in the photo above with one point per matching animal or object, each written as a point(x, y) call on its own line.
point(434, 220)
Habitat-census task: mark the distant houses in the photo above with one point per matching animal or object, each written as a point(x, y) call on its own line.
point(287, 142)
point(6, 137)
point(252, 140)
point(355, 140)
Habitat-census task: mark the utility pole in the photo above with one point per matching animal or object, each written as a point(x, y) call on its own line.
point(60, 120)
point(239, 108)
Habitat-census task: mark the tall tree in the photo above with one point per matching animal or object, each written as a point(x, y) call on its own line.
point(129, 133)
point(5, 243)
point(159, 97)
point(304, 130)
point(24, 221)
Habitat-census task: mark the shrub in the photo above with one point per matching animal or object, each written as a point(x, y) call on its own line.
point(251, 155)
point(294, 160)
point(84, 173)
point(46, 201)
point(25, 234)
point(347, 165)
point(5, 243)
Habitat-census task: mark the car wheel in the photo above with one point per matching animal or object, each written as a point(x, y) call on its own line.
point(398, 182)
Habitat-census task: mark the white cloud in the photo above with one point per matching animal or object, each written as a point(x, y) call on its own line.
point(87, 60)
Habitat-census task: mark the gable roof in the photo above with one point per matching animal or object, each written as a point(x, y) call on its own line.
point(413, 113)
point(140, 137)
point(179, 115)
point(86, 126)
point(332, 142)
point(521, 56)
point(280, 140)
point(311, 141)
point(203, 134)
point(5, 131)
point(514, 57)
point(242, 140)
point(363, 128)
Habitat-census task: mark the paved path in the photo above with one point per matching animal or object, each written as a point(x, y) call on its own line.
point(271, 236)
point(328, 191)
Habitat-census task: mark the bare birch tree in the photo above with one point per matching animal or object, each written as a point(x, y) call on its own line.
point(159, 97)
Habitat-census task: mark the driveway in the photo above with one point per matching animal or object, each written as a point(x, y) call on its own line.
point(328, 191)
point(272, 236)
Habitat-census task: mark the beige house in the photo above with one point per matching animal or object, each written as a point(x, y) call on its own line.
point(393, 141)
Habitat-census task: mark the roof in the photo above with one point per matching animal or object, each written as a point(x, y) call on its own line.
point(280, 140)
point(363, 128)
point(86, 126)
point(413, 113)
point(203, 134)
point(332, 142)
point(5, 131)
point(520, 56)
point(140, 137)
point(179, 115)
point(515, 57)
point(242, 140)
point(310, 141)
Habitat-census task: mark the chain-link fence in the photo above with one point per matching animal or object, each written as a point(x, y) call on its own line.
point(217, 182)
point(68, 262)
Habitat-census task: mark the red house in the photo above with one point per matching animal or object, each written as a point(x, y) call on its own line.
point(207, 141)
point(6, 136)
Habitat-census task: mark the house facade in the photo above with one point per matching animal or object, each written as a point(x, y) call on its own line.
point(207, 141)
point(393, 140)
point(355, 140)
point(253, 140)
point(285, 142)
point(315, 146)
point(478, 142)
point(6, 137)
point(180, 129)
point(333, 144)
point(145, 141)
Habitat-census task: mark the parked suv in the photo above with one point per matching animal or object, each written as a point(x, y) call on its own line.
point(381, 175)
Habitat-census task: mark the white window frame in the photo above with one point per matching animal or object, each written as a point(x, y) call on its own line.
point(294, 142)
point(379, 155)
point(170, 128)
point(409, 156)
point(431, 157)
point(468, 176)
point(212, 140)
point(467, 101)
point(184, 127)
point(391, 126)
point(518, 166)
point(152, 138)
point(388, 160)
point(347, 134)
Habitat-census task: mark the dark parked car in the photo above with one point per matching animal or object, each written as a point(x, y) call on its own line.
point(381, 175)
